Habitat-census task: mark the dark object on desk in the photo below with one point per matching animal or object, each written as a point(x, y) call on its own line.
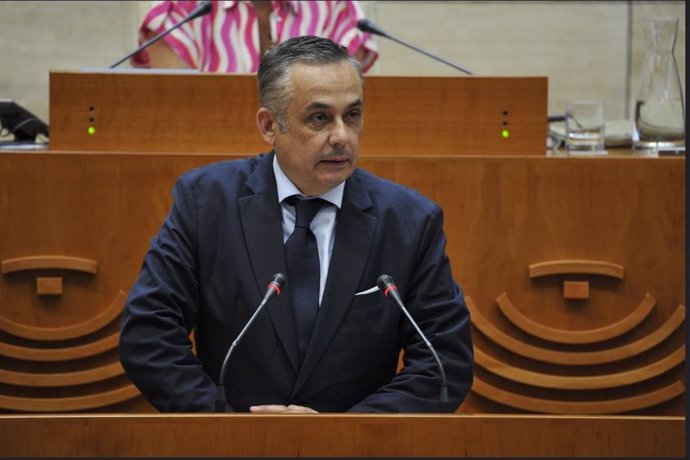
point(16, 120)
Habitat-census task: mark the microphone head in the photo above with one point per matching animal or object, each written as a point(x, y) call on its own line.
point(280, 279)
point(201, 9)
point(384, 282)
point(365, 25)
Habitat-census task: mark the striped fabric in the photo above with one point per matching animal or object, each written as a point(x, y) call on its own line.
point(227, 39)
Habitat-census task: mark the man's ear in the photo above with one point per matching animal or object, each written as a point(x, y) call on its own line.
point(267, 125)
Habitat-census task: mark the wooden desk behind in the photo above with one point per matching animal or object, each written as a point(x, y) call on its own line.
point(573, 269)
point(326, 435)
point(215, 113)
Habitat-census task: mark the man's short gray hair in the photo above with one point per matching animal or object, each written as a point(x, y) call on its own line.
point(274, 71)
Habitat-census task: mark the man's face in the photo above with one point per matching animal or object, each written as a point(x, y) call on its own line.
point(320, 145)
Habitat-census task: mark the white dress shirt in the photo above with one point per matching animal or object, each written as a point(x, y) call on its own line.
point(323, 224)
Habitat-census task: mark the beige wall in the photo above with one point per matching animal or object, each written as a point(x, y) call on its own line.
point(587, 49)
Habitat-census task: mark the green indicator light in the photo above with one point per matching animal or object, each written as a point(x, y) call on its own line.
point(91, 130)
point(505, 134)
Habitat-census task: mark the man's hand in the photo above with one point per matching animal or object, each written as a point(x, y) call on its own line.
point(280, 409)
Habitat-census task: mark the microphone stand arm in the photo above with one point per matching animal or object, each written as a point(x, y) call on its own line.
point(444, 385)
point(146, 45)
point(202, 9)
point(426, 53)
point(220, 390)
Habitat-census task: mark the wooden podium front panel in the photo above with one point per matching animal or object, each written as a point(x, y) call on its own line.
point(522, 233)
point(154, 112)
point(619, 350)
point(455, 116)
point(325, 435)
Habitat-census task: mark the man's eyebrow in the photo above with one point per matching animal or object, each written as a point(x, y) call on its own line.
point(317, 106)
point(323, 106)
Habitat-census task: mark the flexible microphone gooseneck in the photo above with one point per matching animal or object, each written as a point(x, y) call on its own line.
point(277, 283)
point(365, 25)
point(387, 285)
point(201, 9)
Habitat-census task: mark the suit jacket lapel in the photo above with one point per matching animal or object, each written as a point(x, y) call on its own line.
point(353, 238)
point(262, 225)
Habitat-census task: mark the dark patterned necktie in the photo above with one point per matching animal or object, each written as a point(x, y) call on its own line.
point(303, 270)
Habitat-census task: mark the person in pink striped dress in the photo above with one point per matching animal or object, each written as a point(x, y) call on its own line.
point(234, 36)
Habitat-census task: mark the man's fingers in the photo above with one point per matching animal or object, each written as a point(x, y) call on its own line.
point(268, 409)
point(301, 409)
point(280, 409)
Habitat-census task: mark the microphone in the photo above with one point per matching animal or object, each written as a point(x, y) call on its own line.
point(387, 285)
point(365, 25)
point(201, 9)
point(279, 281)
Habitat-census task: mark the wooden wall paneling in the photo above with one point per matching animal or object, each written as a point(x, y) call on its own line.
point(549, 406)
point(576, 290)
point(576, 358)
point(215, 113)
point(559, 335)
point(503, 215)
point(49, 262)
point(591, 267)
point(154, 112)
point(576, 382)
point(60, 354)
point(54, 379)
point(506, 215)
point(516, 213)
point(82, 328)
point(454, 116)
point(95, 401)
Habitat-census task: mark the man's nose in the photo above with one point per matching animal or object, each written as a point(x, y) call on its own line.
point(338, 135)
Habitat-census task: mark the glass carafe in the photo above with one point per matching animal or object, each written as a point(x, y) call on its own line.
point(660, 110)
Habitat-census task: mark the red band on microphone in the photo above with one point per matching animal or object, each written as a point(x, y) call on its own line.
point(388, 289)
point(275, 287)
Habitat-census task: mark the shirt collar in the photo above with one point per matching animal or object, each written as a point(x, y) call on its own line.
point(286, 188)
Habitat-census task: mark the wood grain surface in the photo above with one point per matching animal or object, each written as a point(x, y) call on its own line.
point(215, 113)
point(325, 435)
point(503, 215)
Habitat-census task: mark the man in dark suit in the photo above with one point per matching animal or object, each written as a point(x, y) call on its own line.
point(225, 236)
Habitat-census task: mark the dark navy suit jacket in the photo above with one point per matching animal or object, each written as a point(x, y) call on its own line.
point(208, 269)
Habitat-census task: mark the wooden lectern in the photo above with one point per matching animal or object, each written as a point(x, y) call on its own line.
point(572, 269)
point(149, 111)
